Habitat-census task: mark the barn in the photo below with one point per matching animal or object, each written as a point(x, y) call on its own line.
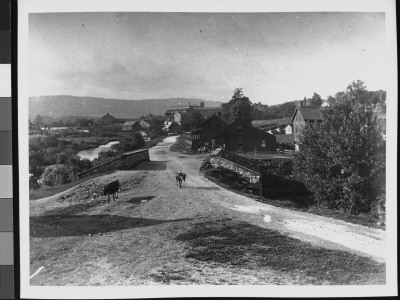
point(131, 126)
point(241, 137)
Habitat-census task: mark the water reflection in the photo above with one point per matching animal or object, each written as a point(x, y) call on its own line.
point(94, 152)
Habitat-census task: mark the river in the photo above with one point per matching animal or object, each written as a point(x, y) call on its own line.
point(94, 152)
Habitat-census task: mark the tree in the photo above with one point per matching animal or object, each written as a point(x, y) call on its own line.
point(316, 100)
point(342, 159)
point(137, 140)
point(240, 107)
point(38, 121)
point(156, 126)
point(197, 119)
point(357, 92)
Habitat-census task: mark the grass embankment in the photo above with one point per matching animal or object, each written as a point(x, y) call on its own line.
point(47, 191)
point(238, 184)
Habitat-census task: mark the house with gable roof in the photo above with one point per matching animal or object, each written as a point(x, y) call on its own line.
point(235, 137)
point(304, 115)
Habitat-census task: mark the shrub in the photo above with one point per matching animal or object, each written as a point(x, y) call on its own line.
point(280, 187)
point(56, 175)
point(40, 141)
point(342, 159)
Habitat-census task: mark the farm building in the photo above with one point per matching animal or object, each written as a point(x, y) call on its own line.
point(131, 126)
point(236, 137)
point(107, 119)
point(302, 116)
point(184, 114)
point(207, 112)
point(241, 137)
point(208, 131)
point(145, 124)
point(183, 118)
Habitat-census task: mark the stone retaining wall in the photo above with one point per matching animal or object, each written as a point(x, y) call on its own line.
point(253, 176)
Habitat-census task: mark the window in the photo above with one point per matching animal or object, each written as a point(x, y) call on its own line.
point(219, 114)
point(263, 143)
point(240, 128)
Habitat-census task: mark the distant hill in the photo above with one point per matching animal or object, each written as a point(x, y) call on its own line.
point(59, 106)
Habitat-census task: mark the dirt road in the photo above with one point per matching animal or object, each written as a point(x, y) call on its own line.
point(157, 233)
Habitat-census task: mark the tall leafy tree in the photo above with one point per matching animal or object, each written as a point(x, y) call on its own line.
point(156, 126)
point(342, 159)
point(316, 100)
point(240, 107)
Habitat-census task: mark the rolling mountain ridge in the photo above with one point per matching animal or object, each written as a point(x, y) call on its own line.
point(62, 105)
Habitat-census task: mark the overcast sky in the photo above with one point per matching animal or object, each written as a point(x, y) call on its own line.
point(274, 57)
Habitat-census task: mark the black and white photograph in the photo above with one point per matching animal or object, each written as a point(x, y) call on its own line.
point(169, 146)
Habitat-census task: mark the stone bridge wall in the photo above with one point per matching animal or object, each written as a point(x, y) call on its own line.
point(252, 175)
point(124, 162)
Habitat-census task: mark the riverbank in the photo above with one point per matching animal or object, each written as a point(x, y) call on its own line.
point(46, 191)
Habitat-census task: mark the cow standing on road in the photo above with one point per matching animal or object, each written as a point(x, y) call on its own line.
point(112, 188)
point(178, 180)
point(182, 175)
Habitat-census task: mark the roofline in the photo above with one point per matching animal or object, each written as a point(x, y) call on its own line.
point(238, 121)
point(214, 115)
point(294, 114)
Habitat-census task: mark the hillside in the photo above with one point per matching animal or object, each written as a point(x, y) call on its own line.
point(57, 106)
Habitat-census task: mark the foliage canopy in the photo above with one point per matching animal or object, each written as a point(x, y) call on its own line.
point(342, 159)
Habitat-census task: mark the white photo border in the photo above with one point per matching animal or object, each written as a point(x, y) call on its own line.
point(40, 6)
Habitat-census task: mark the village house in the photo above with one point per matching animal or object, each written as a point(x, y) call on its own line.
point(303, 115)
point(183, 118)
point(236, 137)
point(170, 113)
point(108, 119)
point(172, 128)
point(131, 126)
point(145, 124)
point(208, 131)
point(184, 114)
point(207, 112)
point(243, 138)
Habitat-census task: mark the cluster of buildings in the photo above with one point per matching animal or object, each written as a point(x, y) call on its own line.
point(239, 137)
point(215, 132)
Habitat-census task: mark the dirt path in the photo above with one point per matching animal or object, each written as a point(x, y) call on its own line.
point(157, 233)
point(321, 231)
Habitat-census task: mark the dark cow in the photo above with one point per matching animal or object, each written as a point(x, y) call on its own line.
point(182, 175)
point(178, 180)
point(112, 188)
